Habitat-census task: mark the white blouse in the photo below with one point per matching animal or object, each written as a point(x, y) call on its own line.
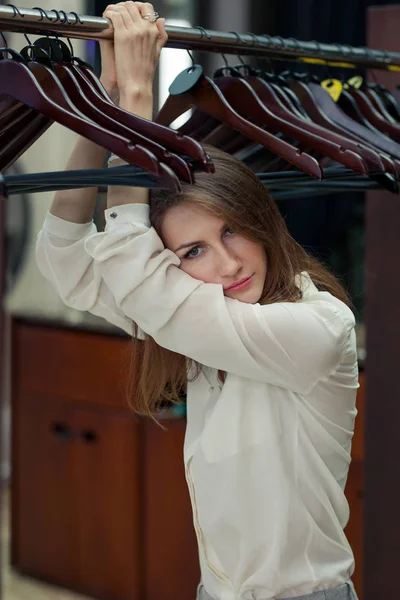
point(267, 453)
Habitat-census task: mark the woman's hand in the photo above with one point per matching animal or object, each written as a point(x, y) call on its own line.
point(129, 62)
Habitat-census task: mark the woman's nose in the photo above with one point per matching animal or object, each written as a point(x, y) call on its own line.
point(229, 264)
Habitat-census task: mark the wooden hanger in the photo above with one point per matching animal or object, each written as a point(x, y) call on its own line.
point(373, 116)
point(22, 135)
point(163, 136)
point(341, 122)
point(377, 102)
point(205, 95)
point(265, 106)
point(321, 106)
point(49, 98)
point(8, 107)
point(94, 105)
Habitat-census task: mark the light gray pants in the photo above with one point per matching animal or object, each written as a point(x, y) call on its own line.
point(345, 592)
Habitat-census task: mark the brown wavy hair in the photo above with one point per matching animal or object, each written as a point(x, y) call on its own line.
point(233, 193)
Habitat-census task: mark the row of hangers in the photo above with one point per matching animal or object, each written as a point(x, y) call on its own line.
point(273, 122)
point(294, 117)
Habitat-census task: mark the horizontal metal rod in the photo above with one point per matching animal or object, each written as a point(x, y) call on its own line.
point(40, 22)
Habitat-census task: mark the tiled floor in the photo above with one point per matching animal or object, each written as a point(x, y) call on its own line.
point(16, 587)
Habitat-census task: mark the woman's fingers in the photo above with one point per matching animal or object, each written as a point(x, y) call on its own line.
point(133, 11)
point(117, 19)
point(145, 8)
point(137, 43)
point(163, 35)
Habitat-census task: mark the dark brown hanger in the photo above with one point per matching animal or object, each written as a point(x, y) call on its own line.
point(8, 107)
point(95, 104)
point(49, 98)
point(373, 116)
point(266, 105)
point(377, 103)
point(164, 136)
point(320, 106)
point(350, 107)
point(160, 137)
point(390, 102)
point(366, 149)
point(206, 96)
point(336, 120)
point(89, 102)
point(20, 136)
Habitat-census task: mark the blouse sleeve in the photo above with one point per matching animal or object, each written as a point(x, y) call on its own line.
point(292, 345)
point(62, 259)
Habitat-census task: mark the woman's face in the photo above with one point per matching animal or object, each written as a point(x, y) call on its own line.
point(213, 253)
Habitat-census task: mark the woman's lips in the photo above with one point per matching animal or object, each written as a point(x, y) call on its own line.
point(240, 286)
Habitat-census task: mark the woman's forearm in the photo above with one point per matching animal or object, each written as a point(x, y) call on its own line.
point(78, 205)
point(140, 103)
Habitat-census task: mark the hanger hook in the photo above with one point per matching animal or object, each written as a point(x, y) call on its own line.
point(267, 58)
point(187, 50)
point(57, 15)
point(70, 46)
point(347, 47)
point(371, 56)
point(43, 14)
point(283, 42)
point(299, 52)
point(204, 32)
point(325, 63)
point(238, 39)
point(343, 48)
point(79, 20)
point(65, 16)
point(256, 42)
point(77, 17)
point(18, 12)
point(66, 20)
point(225, 60)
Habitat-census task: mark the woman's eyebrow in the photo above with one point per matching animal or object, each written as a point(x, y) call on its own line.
point(188, 244)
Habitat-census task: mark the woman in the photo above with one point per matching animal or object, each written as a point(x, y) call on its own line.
point(230, 305)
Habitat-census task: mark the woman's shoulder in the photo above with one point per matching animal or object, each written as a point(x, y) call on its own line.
point(324, 302)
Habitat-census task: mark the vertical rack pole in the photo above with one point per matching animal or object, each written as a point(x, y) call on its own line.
point(382, 439)
point(2, 346)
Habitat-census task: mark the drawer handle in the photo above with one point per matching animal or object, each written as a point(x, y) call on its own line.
point(62, 431)
point(89, 436)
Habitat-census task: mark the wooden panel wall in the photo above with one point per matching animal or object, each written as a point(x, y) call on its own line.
point(382, 448)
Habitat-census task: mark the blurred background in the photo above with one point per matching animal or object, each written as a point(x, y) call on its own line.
point(72, 525)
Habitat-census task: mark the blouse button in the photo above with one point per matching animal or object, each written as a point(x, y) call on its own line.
point(113, 215)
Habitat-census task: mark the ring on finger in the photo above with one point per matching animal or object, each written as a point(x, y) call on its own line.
point(152, 17)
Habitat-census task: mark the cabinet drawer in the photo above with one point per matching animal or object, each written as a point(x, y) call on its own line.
point(78, 365)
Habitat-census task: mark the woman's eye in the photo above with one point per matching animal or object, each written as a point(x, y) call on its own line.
point(192, 253)
point(229, 231)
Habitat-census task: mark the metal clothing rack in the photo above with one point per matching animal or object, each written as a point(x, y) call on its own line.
point(70, 24)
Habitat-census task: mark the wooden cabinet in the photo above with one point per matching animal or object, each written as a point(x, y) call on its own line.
point(40, 491)
point(99, 498)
